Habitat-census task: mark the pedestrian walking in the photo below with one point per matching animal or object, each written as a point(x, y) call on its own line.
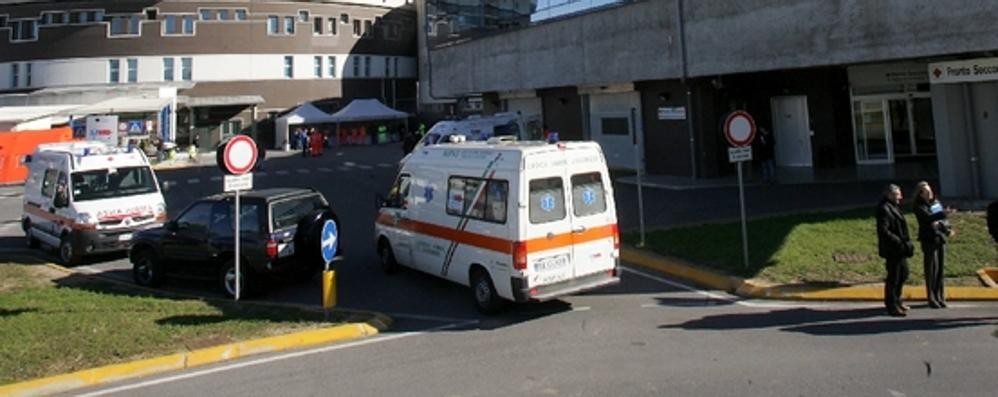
point(296, 139)
point(304, 144)
point(933, 230)
point(894, 245)
point(765, 152)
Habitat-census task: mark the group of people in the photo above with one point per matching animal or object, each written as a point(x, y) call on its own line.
point(895, 245)
point(311, 141)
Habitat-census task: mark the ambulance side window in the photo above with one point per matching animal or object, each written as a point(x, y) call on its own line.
point(482, 199)
point(547, 200)
point(399, 193)
point(588, 195)
point(48, 184)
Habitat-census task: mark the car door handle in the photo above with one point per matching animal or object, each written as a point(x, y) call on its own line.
point(579, 230)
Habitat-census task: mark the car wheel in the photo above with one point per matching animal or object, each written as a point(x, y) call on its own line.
point(487, 301)
point(227, 277)
point(146, 269)
point(29, 236)
point(388, 263)
point(67, 254)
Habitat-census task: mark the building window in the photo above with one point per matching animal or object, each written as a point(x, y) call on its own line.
point(188, 24)
point(332, 67)
point(356, 28)
point(133, 70)
point(317, 25)
point(332, 26)
point(27, 75)
point(318, 67)
point(224, 15)
point(303, 16)
point(207, 15)
point(114, 71)
point(272, 24)
point(167, 69)
point(356, 67)
point(368, 28)
point(289, 25)
point(170, 24)
point(344, 18)
point(289, 66)
point(396, 66)
point(125, 25)
point(240, 15)
point(367, 66)
point(24, 30)
point(15, 77)
point(388, 66)
point(3, 21)
point(186, 68)
point(53, 18)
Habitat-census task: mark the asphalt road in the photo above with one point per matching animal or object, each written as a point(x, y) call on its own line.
point(650, 335)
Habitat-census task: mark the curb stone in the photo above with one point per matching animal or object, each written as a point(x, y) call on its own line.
point(363, 324)
point(757, 289)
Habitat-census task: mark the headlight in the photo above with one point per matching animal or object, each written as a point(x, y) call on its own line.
point(84, 218)
point(160, 208)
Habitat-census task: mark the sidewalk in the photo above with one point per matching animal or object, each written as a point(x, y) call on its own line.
point(756, 289)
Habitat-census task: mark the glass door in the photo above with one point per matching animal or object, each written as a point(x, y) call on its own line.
point(872, 135)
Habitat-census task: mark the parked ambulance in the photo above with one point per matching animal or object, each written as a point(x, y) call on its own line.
point(480, 128)
point(88, 197)
point(515, 221)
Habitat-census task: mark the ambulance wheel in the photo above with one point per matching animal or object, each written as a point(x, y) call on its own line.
point(146, 271)
point(29, 237)
point(487, 301)
point(67, 254)
point(388, 263)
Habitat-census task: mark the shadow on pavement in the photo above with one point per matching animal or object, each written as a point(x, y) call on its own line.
point(693, 302)
point(887, 326)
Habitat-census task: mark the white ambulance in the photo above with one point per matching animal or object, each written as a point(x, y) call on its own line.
point(515, 221)
point(88, 197)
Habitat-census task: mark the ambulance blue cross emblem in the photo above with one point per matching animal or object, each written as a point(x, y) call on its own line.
point(588, 196)
point(547, 202)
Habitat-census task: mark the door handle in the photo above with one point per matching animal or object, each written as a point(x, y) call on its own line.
point(578, 230)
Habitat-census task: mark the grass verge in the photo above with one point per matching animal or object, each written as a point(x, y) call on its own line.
point(822, 247)
point(53, 323)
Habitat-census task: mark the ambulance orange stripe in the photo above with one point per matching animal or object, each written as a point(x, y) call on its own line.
point(494, 243)
point(59, 219)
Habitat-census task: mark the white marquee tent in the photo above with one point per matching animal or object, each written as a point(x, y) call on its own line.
point(303, 114)
point(366, 110)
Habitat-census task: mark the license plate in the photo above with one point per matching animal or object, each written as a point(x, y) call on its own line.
point(125, 237)
point(551, 264)
point(286, 250)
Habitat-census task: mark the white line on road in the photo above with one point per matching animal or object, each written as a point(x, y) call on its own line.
point(261, 173)
point(350, 164)
point(282, 172)
point(385, 165)
point(365, 167)
point(193, 181)
point(324, 169)
point(216, 178)
point(303, 171)
point(268, 360)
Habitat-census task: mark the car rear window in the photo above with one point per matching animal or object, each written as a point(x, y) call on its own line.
point(588, 195)
point(547, 200)
point(287, 213)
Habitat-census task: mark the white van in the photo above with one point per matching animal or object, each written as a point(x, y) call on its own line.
point(515, 221)
point(88, 197)
point(481, 128)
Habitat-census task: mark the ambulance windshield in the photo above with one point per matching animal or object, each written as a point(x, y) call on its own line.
point(111, 183)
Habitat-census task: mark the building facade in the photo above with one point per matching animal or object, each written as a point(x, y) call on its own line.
point(237, 63)
point(841, 83)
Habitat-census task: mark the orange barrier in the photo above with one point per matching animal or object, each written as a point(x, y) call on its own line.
point(15, 145)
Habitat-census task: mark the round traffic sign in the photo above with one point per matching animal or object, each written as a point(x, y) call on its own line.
point(238, 155)
point(739, 129)
point(329, 240)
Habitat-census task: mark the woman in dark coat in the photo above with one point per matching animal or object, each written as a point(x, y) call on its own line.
point(933, 229)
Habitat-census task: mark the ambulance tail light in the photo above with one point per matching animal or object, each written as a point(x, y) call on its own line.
point(616, 236)
point(520, 255)
point(271, 249)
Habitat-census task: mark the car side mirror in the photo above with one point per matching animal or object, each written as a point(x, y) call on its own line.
point(170, 225)
point(61, 199)
point(164, 186)
point(27, 159)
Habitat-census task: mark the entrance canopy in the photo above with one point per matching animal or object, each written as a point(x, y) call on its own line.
point(303, 114)
point(366, 110)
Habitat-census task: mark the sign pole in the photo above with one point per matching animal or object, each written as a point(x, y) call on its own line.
point(637, 166)
point(741, 202)
point(238, 274)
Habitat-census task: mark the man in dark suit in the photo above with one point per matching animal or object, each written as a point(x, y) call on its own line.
point(993, 220)
point(895, 246)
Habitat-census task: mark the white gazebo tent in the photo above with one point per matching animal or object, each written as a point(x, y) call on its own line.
point(303, 114)
point(360, 110)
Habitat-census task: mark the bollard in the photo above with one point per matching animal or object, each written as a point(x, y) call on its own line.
point(328, 289)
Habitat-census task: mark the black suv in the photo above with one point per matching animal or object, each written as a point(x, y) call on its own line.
point(281, 229)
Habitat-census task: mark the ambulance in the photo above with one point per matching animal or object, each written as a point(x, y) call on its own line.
point(515, 221)
point(480, 128)
point(88, 197)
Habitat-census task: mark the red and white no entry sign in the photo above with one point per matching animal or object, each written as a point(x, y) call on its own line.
point(238, 155)
point(739, 129)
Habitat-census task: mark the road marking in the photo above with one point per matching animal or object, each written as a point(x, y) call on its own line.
point(261, 173)
point(324, 169)
point(365, 167)
point(581, 309)
point(385, 165)
point(216, 178)
point(350, 164)
point(193, 181)
point(302, 171)
point(282, 172)
point(267, 360)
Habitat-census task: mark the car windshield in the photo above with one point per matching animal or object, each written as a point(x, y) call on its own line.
point(287, 213)
point(113, 182)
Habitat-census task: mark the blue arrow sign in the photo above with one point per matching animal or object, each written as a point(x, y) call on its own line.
point(329, 241)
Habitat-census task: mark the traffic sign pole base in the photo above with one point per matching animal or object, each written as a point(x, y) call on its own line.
point(328, 289)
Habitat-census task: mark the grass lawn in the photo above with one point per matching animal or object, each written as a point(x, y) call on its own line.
point(821, 247)
point(53, 323)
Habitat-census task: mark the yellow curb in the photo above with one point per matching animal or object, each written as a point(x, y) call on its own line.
point(761, 290)
point(173, 362)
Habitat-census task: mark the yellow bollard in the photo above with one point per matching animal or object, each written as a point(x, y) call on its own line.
point(328, 289)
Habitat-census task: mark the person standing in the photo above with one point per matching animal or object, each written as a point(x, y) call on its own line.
point(993, 220)
point(933, 229)
point(894, 245)
point(766, 154)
